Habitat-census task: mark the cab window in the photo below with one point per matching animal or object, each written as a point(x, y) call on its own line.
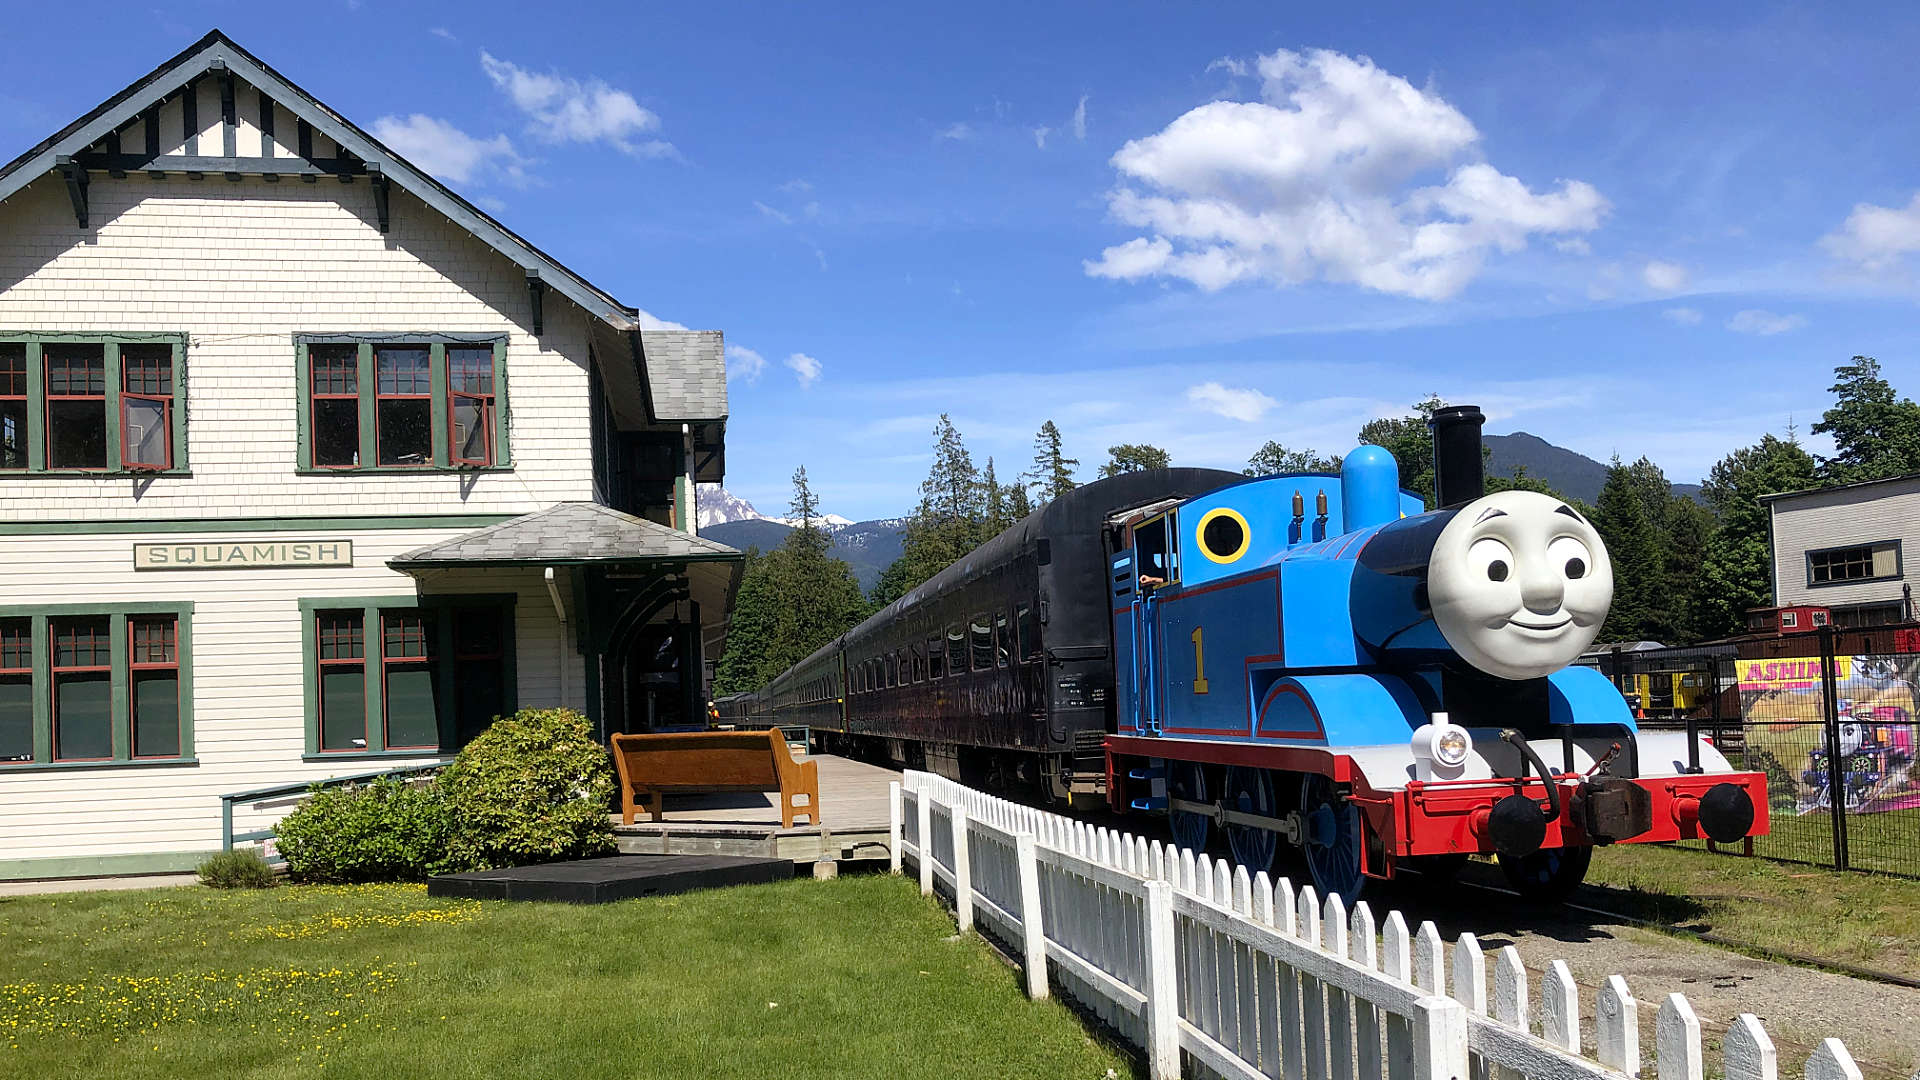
point(1153, 549)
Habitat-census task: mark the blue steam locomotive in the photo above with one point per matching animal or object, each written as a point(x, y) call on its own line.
point(1319, 659)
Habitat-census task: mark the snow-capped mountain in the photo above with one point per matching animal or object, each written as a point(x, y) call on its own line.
point(717, 505)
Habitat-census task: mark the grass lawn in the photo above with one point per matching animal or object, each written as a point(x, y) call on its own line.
point(1870, 920)
point(848, 978)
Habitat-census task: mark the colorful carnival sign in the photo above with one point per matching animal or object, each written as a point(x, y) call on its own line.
point(1790, 673)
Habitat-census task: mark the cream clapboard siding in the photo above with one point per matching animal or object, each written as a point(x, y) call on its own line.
point(241, 267)
point(1867, 514)
point(248, 716)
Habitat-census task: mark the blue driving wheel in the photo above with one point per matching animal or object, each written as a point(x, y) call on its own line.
point(1250, 791)
point(1187, 780)
point(1547, 875)
point(1334, 834)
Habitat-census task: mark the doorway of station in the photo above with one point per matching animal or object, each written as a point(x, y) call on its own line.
point(651, 685)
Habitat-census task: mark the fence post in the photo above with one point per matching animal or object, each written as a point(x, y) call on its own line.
point(1033, 929)
point(1163, 996)
point(1836, 763)
point(962, 874)
point(1439, 1039)
point(894, 814)
point(226, 824)
point(924, 804)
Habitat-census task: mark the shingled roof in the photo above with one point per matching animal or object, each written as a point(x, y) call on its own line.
point(686, 373)
point(569, 534)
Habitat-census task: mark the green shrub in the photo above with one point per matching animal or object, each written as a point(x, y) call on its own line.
point(241, 868)
point(532, 788)
point(387, 830)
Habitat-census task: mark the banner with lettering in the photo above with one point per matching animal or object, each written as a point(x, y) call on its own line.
point(1784, 705)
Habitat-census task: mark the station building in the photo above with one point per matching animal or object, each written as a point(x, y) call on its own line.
point(1844, 548)
point(309, 468)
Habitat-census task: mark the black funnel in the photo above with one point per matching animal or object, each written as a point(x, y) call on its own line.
point(1459, 469)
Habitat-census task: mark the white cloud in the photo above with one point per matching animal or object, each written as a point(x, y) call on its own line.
point(1230, 65)
point(568, 110)
point(1080, 119)
point(650, 321)
point(959, 132)
point(796, 186)
point(777, 215)
point(1685, 316)
point(1235, 403)
point(1574, 245)
point(449, 153)
point(1764, 323)
point(1317, 181)
point(744, 363)
point(1040, 136)
point(1664, 276)
point(805, 368)
point(442, 32)
point(1876, 236)
point(490, 204)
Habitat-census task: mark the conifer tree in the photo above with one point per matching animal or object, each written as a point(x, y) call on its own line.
point(750, 630)
point(1876, 433)
point(949, 522)
point(1633, 543)
point(997, 515)
point(1134, 457)
point(1410, 442)
point(1274, 459)
point(1052, 472)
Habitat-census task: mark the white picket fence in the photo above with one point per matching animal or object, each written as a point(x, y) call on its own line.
point(1193, 961)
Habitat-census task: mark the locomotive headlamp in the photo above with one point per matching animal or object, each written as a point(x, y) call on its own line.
point(1440, 749)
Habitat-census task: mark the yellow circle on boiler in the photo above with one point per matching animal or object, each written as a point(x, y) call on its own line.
point(1211, 516)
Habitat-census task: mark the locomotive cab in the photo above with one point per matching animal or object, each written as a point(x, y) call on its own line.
point(1328, 663)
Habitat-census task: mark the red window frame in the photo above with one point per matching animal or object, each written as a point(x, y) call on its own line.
point(168, 644)
point(99, 646)
point(48, 360)
point(380, 395)
point(420, 634)
point(472, 365)
point(13, 387)
point(156, 368)
point(16, 659)
point(349, 632)
point(334, 378)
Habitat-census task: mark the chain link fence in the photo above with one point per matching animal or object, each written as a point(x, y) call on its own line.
point(1829, 716)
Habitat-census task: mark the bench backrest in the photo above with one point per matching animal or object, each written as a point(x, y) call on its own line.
point(709, 760)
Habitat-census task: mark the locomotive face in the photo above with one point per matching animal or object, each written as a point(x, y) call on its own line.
point(1519, 584)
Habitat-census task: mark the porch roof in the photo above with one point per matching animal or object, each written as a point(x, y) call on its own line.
point(568, 534)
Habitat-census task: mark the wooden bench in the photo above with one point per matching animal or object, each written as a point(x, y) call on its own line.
point(652, 766)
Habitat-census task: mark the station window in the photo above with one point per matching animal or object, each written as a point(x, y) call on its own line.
point(435, 404)
point(936, 657)
point(16, 689)
point(1865, 562)
point(956, 650)
point(146, 406)
point(76, 406)
point(154, 685)
point(111, 687)
point(407, 677)
point(13, 405)
point(981, 633)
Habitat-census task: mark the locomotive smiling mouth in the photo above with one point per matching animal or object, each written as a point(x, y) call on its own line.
point(1541, 627)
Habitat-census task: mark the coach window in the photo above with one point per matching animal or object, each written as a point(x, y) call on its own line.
point(1024, 646)
point(956, 650)
point(919, 664)
point(936, 657)
point(893, 675)
point(982, 636)
point(1002, 639)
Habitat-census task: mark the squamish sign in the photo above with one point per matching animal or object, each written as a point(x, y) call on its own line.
point(228, 555)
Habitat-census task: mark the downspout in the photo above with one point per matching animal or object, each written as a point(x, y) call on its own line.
point(560, 610)
point(689, 504)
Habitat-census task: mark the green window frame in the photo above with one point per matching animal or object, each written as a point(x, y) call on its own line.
point(128, 675)
point(147, 395)
point(455, 390)
point(390, 642)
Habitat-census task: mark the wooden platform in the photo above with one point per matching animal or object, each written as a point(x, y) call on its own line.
point(602, 881)
point(853, 826)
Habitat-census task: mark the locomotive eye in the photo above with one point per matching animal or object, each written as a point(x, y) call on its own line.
point(1572, 555)
point(1491, 558)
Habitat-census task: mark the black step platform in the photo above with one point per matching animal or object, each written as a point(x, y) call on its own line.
point(617, 877)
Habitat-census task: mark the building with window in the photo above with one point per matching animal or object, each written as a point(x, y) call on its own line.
point(308, 468)
point(1845, 549)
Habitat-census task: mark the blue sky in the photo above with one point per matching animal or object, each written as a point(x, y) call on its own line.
point(1201, 226)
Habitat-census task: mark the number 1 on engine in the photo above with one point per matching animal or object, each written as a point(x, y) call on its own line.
point(1199, 661)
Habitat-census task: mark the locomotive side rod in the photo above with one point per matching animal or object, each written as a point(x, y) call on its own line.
point(1292, 827)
